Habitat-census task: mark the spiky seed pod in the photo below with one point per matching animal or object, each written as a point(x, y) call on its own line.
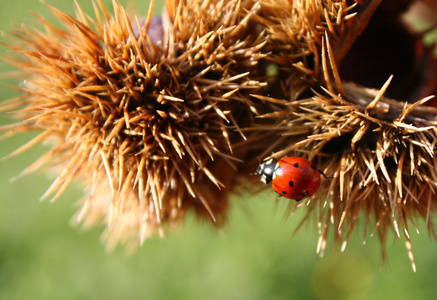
point(148, 125)
point(378, 152)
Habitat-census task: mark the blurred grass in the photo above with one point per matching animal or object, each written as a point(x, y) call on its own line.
point(253, 257)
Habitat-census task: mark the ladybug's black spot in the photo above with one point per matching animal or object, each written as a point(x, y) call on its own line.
point(296, 165)
point(290, 183)
point(313, 167)
point(305, 193)
point(284, 192)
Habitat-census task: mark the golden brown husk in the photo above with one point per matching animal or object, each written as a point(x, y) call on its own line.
point(155, 128)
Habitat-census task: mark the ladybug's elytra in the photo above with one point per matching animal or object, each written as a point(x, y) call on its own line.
point(292, 177)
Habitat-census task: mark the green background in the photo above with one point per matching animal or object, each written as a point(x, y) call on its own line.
point(253, 257)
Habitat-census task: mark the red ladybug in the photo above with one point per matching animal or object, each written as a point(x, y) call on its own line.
point(292, 177)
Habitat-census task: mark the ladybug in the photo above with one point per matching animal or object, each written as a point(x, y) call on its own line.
point(292, 177)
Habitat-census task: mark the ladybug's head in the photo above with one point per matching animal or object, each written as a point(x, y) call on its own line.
point(267, 170)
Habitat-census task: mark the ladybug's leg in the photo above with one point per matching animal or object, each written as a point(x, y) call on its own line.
point(324, 175)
